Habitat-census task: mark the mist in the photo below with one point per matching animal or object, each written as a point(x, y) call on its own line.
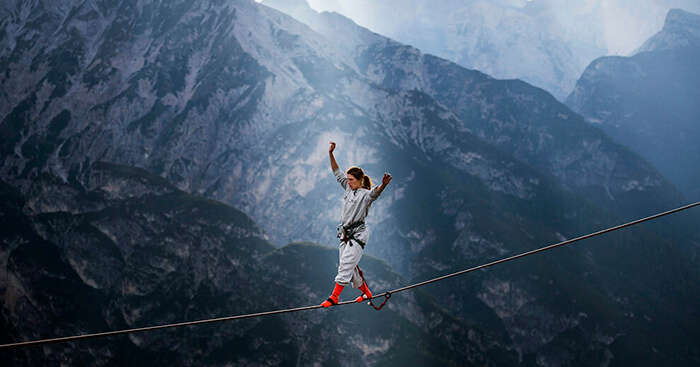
point(618, 26)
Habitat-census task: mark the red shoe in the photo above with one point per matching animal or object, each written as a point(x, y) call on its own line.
point(331, 301)
point(334, 299)
point(366, 294)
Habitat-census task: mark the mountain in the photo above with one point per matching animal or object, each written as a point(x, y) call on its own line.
point(236, 102)
point(648, 101)
point(212, 129)
point(528, 124)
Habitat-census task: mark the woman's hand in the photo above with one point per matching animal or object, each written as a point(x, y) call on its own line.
point(386, 178)
point(334, 164)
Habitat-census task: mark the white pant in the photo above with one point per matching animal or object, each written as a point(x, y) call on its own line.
point(348, 258)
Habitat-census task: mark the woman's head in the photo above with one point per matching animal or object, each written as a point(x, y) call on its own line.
point(357, 178)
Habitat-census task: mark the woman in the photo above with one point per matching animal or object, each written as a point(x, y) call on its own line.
point(352, 231)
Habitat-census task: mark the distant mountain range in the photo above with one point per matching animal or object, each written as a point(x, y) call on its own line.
point(125, 127)
point(501, 39)
point(547, 43)
point(648, 101)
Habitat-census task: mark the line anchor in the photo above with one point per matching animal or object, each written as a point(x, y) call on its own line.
point(386, 295)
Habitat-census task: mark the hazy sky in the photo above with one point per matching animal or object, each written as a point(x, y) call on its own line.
point(620, 26)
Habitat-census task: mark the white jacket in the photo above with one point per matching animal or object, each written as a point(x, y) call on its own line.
point(356, 205)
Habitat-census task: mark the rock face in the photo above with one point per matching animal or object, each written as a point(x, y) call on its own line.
point(508, 114)
point(648, 102)
point(183, 111)
point(235, 101)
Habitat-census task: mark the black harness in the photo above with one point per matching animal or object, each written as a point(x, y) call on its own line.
point(347, 233)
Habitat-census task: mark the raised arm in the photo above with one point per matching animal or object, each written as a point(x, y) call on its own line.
point(374, 194)
point(339, 176)
point(334, 164)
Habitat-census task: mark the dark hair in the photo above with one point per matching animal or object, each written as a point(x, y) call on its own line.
point(360, 175)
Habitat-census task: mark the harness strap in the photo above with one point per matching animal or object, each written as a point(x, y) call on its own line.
point(352, 237)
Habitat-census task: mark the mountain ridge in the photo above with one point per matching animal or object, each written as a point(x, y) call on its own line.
point(681, 29)
point(647, 101)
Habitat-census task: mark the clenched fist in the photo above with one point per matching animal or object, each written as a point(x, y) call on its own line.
point(386, 178)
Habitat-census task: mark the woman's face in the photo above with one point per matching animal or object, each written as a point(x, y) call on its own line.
point(353, 182)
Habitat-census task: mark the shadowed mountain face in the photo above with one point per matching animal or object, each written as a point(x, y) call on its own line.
point(648, 102)
point(237, 102)
point(131, 250)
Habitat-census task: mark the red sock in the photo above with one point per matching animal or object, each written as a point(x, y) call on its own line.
point(335, 296)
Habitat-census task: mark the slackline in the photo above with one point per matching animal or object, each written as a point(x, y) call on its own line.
point(386, 294)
